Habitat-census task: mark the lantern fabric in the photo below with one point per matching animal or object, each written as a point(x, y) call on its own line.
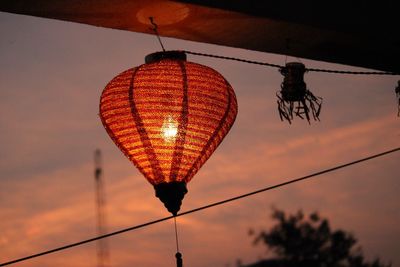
point(168, 116)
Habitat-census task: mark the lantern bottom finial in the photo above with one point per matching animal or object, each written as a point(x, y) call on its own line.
point(171, 194)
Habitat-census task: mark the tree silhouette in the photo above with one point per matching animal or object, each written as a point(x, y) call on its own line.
point(301, 241)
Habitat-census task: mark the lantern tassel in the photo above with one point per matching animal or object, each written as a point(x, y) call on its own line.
point(178, 255)
point(179, 261)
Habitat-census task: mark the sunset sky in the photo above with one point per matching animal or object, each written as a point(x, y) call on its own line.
point(52, 75)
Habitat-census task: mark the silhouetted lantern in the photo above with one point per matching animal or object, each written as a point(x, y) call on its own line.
point(294, 97)
point(168, 116)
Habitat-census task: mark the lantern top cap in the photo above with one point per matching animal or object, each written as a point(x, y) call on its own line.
point(297, 65)
point(157, 56)
point(293, 66)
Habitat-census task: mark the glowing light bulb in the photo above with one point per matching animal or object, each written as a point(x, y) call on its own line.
point(169, 129)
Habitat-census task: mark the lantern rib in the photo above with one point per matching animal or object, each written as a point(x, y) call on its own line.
point(211, 139)
point(319, 173)
point(148, 148)
point(182, 127)
point(114, 138)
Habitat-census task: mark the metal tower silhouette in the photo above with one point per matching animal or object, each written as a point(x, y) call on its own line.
point(102, 245)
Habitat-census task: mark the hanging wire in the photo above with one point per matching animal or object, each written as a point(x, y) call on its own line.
point(279, 66)
point(353, 72)
point(233, 58)
point(155, 30)
point(286, 110)
point(204, 207)
point(288, 47)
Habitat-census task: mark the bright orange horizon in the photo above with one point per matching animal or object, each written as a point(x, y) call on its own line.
point(52, 75)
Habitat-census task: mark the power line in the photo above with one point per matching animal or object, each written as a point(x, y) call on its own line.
point(203, 207)
point(280, 67)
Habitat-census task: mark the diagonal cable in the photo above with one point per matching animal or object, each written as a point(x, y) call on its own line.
point(203, 207)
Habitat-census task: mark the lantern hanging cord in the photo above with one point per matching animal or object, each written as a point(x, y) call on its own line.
point(280, 67)
point(155, 30)
point(176, 235)
point(203, 207)
point(178, 255)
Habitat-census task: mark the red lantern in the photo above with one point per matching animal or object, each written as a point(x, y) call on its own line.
point(168, 116)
